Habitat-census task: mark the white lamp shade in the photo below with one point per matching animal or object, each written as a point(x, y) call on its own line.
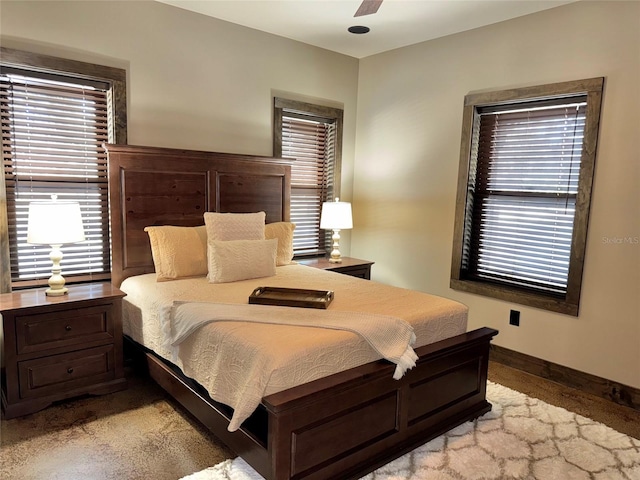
point(54, 223)
point(336, 216)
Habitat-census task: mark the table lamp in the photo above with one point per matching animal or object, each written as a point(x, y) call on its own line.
point(336, 216)
point(55, 223)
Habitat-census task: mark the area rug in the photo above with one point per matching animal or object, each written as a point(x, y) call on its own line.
point(521, 438)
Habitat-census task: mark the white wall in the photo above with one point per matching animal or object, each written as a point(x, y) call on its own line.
point(410, 104)
point(193, 81)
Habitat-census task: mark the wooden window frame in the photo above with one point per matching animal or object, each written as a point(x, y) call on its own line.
point(282, 105)
point(568, 303)
point(117, 128)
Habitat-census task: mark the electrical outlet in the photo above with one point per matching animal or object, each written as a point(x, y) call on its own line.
point(514, 318)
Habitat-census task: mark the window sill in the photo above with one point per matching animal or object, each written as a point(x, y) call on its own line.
point(510, 294)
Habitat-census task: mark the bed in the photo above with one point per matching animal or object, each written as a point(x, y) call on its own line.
point(339, 424)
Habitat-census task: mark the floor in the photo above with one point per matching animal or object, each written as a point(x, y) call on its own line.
point(140, 433)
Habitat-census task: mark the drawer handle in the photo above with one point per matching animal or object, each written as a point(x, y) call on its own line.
point(69, 370)
point(68, 328)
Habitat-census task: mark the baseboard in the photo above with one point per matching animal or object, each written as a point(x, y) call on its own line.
point(601, 387)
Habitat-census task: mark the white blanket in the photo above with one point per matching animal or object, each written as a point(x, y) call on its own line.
point(391, 337)
point(226, 358)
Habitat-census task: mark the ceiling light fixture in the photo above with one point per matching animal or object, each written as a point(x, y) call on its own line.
point(358, 29)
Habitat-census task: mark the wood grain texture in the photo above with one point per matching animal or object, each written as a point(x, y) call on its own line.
point(5, 261)
point(350, 423)
point(601, 387)
point(368, 7)
point(280, 105)
point(117, 126)
point(349, 266)
point(583, 198)
point(151, 186)
point(461, 277)
point(341, 426)
point(60, 347)
point(115, 77)
point(462, 201)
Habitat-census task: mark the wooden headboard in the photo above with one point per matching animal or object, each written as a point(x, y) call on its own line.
point(163, 186)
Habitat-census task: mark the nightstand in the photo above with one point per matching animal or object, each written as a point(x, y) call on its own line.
point(349, 266)
point(56, 348)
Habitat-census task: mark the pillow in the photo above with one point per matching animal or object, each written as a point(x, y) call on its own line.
point(234, 226)
point(178, 252)
point(233, 260)
point(283, 232)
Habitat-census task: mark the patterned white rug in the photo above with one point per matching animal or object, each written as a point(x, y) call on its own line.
point(521, 438)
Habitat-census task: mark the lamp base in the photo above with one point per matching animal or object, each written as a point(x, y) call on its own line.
point(335, 248)
point(56, 281)
point(56, 292)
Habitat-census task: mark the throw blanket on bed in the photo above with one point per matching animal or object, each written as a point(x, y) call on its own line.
point(391, 337)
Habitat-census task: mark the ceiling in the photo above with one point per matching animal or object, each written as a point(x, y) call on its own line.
point(397, 23)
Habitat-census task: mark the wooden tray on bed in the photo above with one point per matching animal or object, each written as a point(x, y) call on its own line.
point(291, 297)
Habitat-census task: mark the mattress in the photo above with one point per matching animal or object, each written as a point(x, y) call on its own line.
point(226, 358)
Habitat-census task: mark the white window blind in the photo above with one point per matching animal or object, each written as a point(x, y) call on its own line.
point(52, 131)
point(311, 142)
point(523, 194)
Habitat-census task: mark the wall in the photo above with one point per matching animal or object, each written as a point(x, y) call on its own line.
point(193, 81)
point(407, 150)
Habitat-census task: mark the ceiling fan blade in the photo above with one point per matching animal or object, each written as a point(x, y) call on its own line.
point(367, 7)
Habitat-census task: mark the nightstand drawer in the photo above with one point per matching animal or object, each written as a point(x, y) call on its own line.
point(45, 331)
point(349, 266)
point(44, 376)
point(54, 348)
point(359, 272)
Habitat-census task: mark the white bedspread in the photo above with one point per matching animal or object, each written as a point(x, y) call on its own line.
point(391, 337)
point(223, 356)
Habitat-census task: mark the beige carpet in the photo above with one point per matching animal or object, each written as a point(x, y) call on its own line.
point(521, 438)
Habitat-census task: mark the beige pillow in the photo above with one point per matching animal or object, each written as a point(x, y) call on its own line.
point(234, 226)
point(233, 260)
point(283, 232)
point(178, 252)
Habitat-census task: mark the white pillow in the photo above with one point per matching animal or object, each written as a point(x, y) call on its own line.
point(234, 226)
point(283, 232)
point(178, 252)
point(233, 260)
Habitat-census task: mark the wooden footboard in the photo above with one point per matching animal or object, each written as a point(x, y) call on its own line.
point(348, 424)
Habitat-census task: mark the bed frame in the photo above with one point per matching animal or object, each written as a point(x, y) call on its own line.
point(338, 427)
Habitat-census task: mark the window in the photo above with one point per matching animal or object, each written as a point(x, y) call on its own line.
point(312, 136)
point(526, 169)
point(55, 116)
